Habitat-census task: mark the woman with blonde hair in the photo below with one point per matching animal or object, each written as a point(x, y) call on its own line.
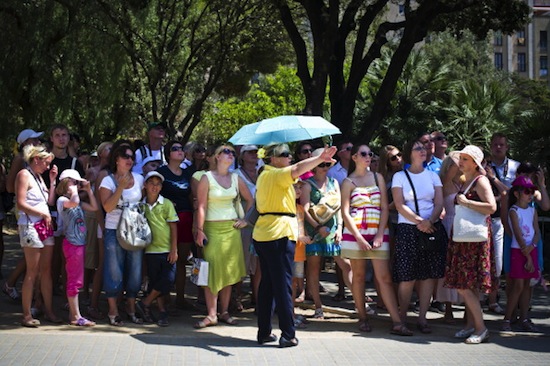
point(36, 229)
point(218, 234)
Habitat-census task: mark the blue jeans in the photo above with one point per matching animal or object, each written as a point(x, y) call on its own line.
point(121, 268)
point(276, 261)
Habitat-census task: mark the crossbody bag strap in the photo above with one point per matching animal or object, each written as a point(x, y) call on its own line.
point(414, 192)
point(472, 183)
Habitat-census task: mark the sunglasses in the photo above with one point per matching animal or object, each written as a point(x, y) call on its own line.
point(227, 151)
point(306, 151)
point(284, 154)
point(127, 156)
point(348, 148)
point(324, 165)
point(439, 138)
point(528, 190)
point(419, 148)
point(366, 153)
point(396, 156)
point(176, 148)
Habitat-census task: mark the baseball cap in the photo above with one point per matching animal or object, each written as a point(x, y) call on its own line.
point(149, 159)
point(154, 174)
point(152, 125)
point(28, 134)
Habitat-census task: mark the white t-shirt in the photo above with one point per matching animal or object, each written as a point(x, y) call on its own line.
point(157, 154)
point(130, 195)
point(525, 222)
point(424, 184)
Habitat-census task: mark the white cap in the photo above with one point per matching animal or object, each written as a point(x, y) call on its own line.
point(71, 173)
point(154, 174)
point(94, 154)
point(149, 159)
point(28, 134)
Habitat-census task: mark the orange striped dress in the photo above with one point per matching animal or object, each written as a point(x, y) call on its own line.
point(365, 212)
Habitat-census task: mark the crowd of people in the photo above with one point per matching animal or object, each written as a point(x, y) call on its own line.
point(276, 216)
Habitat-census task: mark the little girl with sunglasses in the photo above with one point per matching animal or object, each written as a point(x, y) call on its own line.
point(524, 265)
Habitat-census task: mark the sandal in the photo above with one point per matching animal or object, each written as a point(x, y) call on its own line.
point(424, 328)
point(227, 319)
point(83, 322)
point(31, 323)
point(401, 330)
point(528, 325)
point(364, 326)
point(134, 319)
point(505, 326)
point(319, 314)
point(206, 322)
point(115, 320)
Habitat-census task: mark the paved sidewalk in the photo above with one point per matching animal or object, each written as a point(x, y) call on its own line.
point(334, 340)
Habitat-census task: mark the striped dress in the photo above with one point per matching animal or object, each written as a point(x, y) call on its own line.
point(365, 212)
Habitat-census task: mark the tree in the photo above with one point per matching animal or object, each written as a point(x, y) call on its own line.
point(335, 31)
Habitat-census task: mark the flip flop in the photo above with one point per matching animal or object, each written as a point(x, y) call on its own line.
point(364, 326)
point(83, 322)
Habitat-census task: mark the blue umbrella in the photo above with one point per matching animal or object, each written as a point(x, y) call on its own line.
point(284, 129)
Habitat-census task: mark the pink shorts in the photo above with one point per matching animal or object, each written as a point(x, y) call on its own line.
point(517, 263)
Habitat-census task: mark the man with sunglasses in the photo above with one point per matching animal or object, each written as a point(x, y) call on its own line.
point(274, 238)
point(432, 163)
point(340, 170)
point(440, 144)
point(156, 132)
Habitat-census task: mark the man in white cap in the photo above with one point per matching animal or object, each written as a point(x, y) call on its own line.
point(150, 164)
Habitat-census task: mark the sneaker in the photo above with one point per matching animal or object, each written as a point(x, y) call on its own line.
point(369, 310)
point(145, 312)
point(437, 307)
point(11, 292)
point(163, 319)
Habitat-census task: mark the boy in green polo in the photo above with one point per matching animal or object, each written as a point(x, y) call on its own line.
point(161, 255)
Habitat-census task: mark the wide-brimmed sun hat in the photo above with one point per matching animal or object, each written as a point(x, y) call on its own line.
point(473, 151)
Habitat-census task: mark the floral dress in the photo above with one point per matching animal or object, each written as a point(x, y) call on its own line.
point(471, 265)
point(325, 247)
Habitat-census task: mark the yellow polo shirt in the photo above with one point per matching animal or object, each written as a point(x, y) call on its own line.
point(275, 193)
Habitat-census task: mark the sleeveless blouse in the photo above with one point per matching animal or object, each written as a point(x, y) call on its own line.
point(221, 201)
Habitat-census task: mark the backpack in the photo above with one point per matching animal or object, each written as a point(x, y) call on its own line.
point(133, 232)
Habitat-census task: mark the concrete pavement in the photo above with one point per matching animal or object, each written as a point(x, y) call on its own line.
point(334, 340)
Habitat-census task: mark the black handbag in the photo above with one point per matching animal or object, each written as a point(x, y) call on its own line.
point(432, 242)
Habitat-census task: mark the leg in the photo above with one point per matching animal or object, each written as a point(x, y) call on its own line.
point(514, 289)
point(46, 280)
point(74, 267)
point(358, 286)
point(425, 290)
point(524, 299)
point(98, 280)
point(113, 266)
point(385, 284)
point(313, 269)
point(132, 271)
point(32, 260)
point(183, 250)
point(475, 315)
point(404, 293)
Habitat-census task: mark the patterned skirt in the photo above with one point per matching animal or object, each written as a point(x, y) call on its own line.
point(471, 265)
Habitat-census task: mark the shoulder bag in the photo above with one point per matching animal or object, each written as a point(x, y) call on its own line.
point(133, 232)
point(327, 206)
point(429, 241)
point(469, 226)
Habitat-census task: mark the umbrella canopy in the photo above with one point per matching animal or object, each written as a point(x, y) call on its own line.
point(284, 129)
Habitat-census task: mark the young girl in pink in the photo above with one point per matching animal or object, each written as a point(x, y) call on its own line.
point(524, 265)
point(70, 207)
